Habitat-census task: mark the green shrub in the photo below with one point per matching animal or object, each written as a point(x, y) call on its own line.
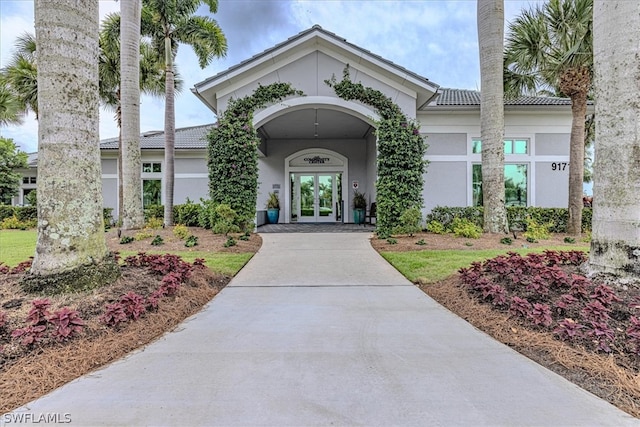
point(107, 216)
point(244, 237)
point(421, 242)
point(506, 240)
point(181, 231)
point(145, 233)
point(587, 237)
point(445, 215)
point(153, 211)
point(410, 222)
point(27, 213)
point(14, 223)
point(191, 241)
point(537, 231)
point(230, 242)
point(187, 213)
point(225, 220)
point(465, 228)
point(154, 223)
point(126, 239)
point(392, 241)
point(157, 241)
point(436, 227)
point(568, 239)
point(6, 211)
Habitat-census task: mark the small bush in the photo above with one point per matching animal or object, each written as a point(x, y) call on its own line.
point(436, 227)
point(410, 222)
point(143, 234)
point(126, 239)
point(154, 223)
point(67, 323)
point(14, 223)
point(421, 242)
point(465, 228)
point(536, 230)
point(244, 237)
point(506, 240)
point(191, 241)
point(568, 239)
point(230, 242)
point(157, 241)
point(181, 231)
point(153, 211)
point(225, 220)
point(187, 213)
point(392, 241)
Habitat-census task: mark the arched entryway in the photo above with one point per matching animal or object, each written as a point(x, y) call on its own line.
point(315, 189)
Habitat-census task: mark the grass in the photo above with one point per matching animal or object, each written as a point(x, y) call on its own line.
point(432, 266)
point(17, 246)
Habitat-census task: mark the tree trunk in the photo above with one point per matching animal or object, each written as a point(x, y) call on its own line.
point(615, 243)
point(132, 210)
point(490, 39)
point(169, 135)
point(71, 251)
point(576, 163)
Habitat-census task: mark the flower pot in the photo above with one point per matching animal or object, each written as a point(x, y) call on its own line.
point(358, 215)
point(273, 215)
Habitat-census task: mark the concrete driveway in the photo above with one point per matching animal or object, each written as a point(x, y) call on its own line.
point(319, 330)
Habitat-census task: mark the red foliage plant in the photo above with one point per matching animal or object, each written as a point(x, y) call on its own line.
point(114, 314)
point(133, 305)
point(67, 323)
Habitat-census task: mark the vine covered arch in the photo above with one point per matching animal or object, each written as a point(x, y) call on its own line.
point(233, 154)
point(401, 148)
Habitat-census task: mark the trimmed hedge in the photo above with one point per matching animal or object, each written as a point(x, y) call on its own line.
point(516, 216)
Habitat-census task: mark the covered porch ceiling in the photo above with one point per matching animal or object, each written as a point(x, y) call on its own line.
point(315, 123)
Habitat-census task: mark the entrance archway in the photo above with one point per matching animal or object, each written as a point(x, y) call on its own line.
point(314, 186)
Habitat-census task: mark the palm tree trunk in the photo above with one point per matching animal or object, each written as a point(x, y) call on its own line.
point(71, 251)
point(490, 39)
point(576, 163)
point(169, 135)
point(615, 243)
point(132, 210)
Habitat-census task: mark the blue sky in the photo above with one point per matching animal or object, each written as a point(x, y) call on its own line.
point(434, 38)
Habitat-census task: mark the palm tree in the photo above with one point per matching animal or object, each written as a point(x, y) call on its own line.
point(490, 40)
point(132, 211)
point(21, 74)
point(551, 46)
point(616, 212)
point(169, 23)
point(71, 251)
point(150, 81)
point(10, 106)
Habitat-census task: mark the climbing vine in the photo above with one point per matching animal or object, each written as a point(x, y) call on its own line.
point(233, 156)
point(401, 148)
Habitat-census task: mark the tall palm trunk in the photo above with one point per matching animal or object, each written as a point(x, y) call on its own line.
point(615, 243)
point(169, 135)
point(576, 163)
point(71, 251)
point(132, 210)
point(490, 39)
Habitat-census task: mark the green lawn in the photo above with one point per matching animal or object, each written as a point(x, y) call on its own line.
point(431, 266)
point(17, 246)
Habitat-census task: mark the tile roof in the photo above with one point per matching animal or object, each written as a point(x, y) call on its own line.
point(193, 137)
point(465, 97)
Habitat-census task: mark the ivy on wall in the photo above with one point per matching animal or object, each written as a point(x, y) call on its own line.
point(233, 155)
point(401, 148)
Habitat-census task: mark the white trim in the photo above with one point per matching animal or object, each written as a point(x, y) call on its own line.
point(344, 169)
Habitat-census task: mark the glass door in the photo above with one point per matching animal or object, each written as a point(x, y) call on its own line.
point(314, 197)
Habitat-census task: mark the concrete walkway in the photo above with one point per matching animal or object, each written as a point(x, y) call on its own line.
point(319, 330)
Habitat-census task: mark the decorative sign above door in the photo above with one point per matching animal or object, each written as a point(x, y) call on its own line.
point(316, 159)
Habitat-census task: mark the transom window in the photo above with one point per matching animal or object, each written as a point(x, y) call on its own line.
point(511, 146)
point(28, 179)
point(515, 185)
point(151, 167)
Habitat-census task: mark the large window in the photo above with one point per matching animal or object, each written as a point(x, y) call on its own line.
point(515, 185)
point(511, 146)
point(151, 192)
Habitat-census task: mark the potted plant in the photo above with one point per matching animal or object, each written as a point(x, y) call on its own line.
point(359, 203)
point(273, 208)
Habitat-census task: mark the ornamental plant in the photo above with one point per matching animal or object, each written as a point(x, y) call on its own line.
point(233, 156)
point(401, 148)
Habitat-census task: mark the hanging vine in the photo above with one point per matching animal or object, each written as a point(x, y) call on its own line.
point(401, 148)
point(233, 156)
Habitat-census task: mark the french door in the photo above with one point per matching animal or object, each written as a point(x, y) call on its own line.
point(314, 196)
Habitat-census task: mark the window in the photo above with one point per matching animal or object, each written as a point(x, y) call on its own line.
point(149, 167)
point(515, 185)
point(28, 179)
point(25, 179)
point(511, 146)
point(151, 192)
point(32, 180)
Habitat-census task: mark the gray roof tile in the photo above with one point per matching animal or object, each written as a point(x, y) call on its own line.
point(194, 137)
point(465, 97)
